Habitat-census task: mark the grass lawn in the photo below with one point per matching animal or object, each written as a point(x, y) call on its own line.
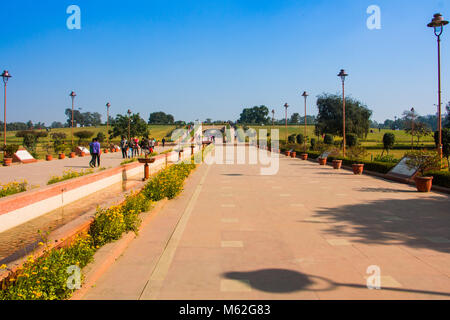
point(156, 131)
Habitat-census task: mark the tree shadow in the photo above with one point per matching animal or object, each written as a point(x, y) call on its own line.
point(288, 281)
point(232, 174)
point(417, 223)
point(386, 190)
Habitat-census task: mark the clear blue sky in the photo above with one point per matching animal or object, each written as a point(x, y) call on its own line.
point(209, 58)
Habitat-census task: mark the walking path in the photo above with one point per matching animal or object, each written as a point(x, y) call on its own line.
point(308, 232)
point(38, 173)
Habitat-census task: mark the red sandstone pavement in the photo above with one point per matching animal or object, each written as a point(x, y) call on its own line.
point(38, 173)
point(309, 232)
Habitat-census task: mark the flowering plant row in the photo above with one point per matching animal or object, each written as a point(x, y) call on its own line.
point(47, 277)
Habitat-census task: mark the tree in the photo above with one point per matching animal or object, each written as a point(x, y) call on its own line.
point(255, 115)
point(447, 118)
point(83, 135)
point(329, 119)
point(295, 118)
point(138, 126)
point(291, 138)
point(388, 141)
point(300, 138)
point(351, 140)
point(56, 125)
point(58, 141)
point(77, 117)
point(328, 139)
point(420, 130)
point(160, 118)
point(31, 138)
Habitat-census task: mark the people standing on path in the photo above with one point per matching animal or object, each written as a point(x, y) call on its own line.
point(123, 147)
point(164, 142)
point(136, 151)
point(95, 147)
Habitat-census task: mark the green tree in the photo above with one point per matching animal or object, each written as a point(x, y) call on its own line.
point(388, 141)
point(329, 119)
point(351, 140)
point(83, 135)
point(138, 126)
point(295, 118)
point(255, 115)
point(161, 118)
point(328, 139)
point(445, 142)
point(300, 138)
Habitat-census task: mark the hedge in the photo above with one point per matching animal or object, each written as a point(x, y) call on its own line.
point(441, 178)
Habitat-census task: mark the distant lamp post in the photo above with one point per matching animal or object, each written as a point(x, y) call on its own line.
point(108, 105)
point(273, 117)
point(72, 95)
point(305, 95)
point(438, 24)
point(286, 106)
point(342, 75)
point(5, 76)
point(129, 125)
point(412, 127)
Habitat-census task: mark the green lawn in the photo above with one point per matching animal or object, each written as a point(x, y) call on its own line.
point(156, 131)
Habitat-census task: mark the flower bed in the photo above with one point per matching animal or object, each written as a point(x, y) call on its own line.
point(11, 188)
point(46, 277)
point(69, 174)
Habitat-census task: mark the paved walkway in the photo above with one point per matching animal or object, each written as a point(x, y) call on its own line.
point(309, 232)
point(40, 172)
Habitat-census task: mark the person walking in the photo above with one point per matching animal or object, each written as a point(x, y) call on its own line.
point(123, 147)
point(164, 142)
point(95, 147)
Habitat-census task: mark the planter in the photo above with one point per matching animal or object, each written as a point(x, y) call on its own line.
point(49, 157)
point(61, 156)
point(337, 164)
point(322, 161)
point(287, 153)
point(7, 162)
point(358, 168)
point(304, 156)
point(105, 150)
point(293, 154)
point(117, 149)
point(423, 184)
point(72, 155)
point(82, 154)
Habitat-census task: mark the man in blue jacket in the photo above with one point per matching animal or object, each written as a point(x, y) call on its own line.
point(95, 152)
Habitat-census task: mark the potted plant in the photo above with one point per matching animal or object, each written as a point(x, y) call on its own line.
point(9, 150)
point(357, 154)
point(423, 161)
point(337, 163)
point(304, 156)
point(322, 161)
point(287, 153)
point(293, 154)
point(48, 156)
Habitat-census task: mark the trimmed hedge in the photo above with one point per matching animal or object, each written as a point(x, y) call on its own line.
point(441, 178)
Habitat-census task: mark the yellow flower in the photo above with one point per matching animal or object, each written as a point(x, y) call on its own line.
point(3, 266)
point(41, 243)
point(44, 268)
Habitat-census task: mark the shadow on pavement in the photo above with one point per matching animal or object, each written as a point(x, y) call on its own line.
point(417, 223)
point(286, 281)
point(385, 190)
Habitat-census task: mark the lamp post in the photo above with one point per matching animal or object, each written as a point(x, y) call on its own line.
point(5, 76)
point(342, 75)
point(286, 106)
point(129, 125)
point(273, 117)
point(412, 128)
point(108, 105)
point(305, 95)
point(72, 95)
point(438, 23)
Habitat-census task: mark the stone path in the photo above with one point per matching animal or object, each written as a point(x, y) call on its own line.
point(308, 232)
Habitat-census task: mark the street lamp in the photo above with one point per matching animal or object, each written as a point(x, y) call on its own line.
point(305, 95)
point(72, 95)
point(108, 105)
point(286, 106)
point(273, 117)
point(129, 125)
point(5, 76)
point(412, 128)
point(342, 75)
point(438, 24)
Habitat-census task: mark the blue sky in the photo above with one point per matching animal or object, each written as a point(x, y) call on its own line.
point(203, 59)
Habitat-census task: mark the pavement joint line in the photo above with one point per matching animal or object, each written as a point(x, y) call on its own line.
point(228, 206)
point(154, 284)
point(232, 244)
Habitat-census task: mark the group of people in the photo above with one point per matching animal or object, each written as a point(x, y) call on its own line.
point(134, 147)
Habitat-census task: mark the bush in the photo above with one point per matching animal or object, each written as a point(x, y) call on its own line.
point(10, 150)
point(12, 188)
point(388, 141)
point(58, 141)
point(351, 139)
point(328, 139)
point(101, 137)
point(83, 135)
point(313, 143)
point(29, 142)
point(423, 161)
point(69, 174)
point(440, 178)
point(386, 158)
point(300, 139)
point(291, 138)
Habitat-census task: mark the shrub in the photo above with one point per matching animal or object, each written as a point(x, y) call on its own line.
point(386, 158)
point(69, 174)
point(58, 141)
point(356, 154)
point(101, 137)
point(10, 150)
point(29, 142)
point(388, 141)
point(12, 188)
point(291, 138)
point(423, 161)
point(351, 139)
point(83, 135)
point(328, 139)
point(313, 143)
point(108, 225)
point(440, 178)
point(445, 142)
point(300, 139)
